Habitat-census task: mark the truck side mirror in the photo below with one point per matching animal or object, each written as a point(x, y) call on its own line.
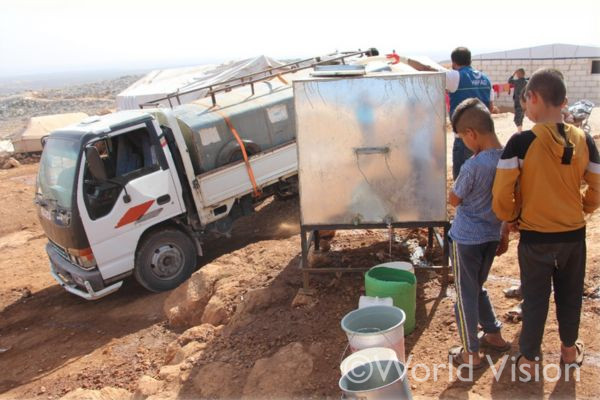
point(95, 164)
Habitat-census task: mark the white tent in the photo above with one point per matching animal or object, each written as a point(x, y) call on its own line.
point(160, 83)
point(30, 139)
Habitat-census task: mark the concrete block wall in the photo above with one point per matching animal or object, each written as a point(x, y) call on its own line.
point(581, 83)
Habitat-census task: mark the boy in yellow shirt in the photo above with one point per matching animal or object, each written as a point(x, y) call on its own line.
point(549, 163)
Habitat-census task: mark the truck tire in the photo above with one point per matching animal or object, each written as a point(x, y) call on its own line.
point(164, 260)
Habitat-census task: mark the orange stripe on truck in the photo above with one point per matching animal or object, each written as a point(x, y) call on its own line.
point(134, 213)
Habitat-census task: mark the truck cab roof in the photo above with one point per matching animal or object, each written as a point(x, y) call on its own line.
point(96, 126)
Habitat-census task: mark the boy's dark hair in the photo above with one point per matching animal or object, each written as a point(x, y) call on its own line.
point(472, 113)
point(461, 56)
point(549, 84)
point(521, 70)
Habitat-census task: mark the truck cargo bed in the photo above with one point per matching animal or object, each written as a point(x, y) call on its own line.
point(232, 180)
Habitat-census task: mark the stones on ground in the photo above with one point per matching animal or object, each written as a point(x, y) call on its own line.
point(282, 375)
point(169, 373)
point(147, 386)
point(186, 351)
point(106, 393)
point(215, 312)
point(304, 299)
point(200, 333)
point(10, 162)
point(216, 380)
point(185, 306)
point(172, 349)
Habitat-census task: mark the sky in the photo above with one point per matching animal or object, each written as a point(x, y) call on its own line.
point(45, 36)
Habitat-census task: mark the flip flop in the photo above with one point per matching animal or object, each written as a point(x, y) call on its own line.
point(580, 351)
point(513, 292)
point(456, 357)
point(515, 314)
point(483, 342)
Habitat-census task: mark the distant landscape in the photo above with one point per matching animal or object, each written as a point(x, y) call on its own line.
point(29, 96)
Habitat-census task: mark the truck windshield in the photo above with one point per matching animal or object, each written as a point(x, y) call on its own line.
point(56, 176)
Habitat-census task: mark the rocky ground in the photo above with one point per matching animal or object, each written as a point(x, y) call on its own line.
point(239, 327)
point(91, 98)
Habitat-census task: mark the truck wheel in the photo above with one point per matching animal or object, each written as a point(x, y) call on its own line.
point(165, 260)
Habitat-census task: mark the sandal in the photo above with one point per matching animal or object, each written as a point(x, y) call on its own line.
point(521, 376)
point(483, 342)
point(456, 357)
point(580, 353)
point(515, 314)
point(513, 292)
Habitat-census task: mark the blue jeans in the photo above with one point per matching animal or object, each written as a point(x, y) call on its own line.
point(460, 154)
point(473, 307)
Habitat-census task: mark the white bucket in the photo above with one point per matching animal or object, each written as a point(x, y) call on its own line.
point(376, 326)
point(366, 356)
point(369, 301)
point(403, 265)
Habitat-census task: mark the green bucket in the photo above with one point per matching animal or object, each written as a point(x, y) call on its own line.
point(398, 284)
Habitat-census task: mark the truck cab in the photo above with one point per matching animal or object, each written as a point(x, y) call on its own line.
point(100, 186)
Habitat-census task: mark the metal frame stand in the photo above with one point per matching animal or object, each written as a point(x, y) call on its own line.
point(309, 234)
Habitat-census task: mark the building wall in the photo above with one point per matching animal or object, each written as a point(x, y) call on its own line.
point(581, 83)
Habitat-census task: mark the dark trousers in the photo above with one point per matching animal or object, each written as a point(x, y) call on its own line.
point(460, 154)
point(519, 114)
point(542, 266)
point(473, 307)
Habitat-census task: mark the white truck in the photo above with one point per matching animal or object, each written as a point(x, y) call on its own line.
point(135, 192)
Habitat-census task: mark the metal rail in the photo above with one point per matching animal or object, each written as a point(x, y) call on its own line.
point(255, 77)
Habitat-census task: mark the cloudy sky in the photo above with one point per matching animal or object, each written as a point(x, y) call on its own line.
point(69, 35)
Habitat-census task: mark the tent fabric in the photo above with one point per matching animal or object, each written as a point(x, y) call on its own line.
point(160, 83)
point(38, 127)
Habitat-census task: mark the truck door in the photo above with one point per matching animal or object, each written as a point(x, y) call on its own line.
point(139, 192)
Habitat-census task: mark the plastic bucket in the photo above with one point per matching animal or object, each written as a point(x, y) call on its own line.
point(366, 356)
point(403, 265)
point(376, 326)
point(398, 284)
point(378, 380)
point(367, 301)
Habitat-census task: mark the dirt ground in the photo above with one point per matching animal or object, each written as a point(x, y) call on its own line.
point(52, 342)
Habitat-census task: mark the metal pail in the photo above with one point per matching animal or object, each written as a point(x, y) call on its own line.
point(376, 326)
point(378, 380)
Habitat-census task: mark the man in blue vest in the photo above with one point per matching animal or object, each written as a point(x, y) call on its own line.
point(464, 82)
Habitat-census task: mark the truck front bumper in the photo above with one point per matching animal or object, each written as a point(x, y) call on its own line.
point(86, 284)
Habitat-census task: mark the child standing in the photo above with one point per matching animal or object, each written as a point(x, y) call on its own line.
point(519, 81)
point(475, 234)
point(548, 163)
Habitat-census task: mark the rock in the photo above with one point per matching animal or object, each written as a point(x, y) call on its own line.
point(280, 376)
point(107, 393)
point(185, 305)
point(381, 256)
point(147, 386)
point(324, 245)
point(303, 299)
point(172, 349)
point(202, 333)
point(261, 299)
point(216, 380)
point(13, 162)
point(168, 395)
point(316, 349)
point(215, 312)
point(169, 373)
point(184, 352)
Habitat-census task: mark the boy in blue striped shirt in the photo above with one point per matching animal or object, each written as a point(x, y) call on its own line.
point(476, 234)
